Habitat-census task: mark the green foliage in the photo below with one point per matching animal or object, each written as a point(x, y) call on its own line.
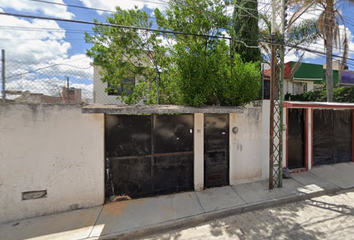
point(215, 80)
point(245, 29)
point(305, 31)
point(341, 94)
point(127, 53)
point(193, 70)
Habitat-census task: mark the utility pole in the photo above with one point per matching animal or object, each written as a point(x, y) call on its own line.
point(276, 94)
point(3, 89)
point(67, 90)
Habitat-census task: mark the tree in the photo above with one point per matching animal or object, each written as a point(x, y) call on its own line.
point(194, 69)
point(302, 32)
point(203, 66)
point(129, 53)
point(328, 22)
point(246, 30)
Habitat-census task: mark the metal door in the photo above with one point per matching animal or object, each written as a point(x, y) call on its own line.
point(148, 155)
point(173, 153)
point(128, 156)
point(296, 138)
point(332, 136)
point(216, 150)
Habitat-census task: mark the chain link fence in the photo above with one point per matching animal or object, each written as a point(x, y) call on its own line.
point(71, 81)
point(65, 82)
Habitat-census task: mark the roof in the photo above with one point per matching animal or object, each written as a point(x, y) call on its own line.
point(319, 105)
point(306, 72)
point(157, 109)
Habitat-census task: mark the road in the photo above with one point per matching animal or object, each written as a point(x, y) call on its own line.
point(326, 217)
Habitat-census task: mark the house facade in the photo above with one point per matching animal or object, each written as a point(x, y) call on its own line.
point(306, 78)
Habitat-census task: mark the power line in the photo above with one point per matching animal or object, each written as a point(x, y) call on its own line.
point(112, 25)
point(105, 10)
point(319, 52)
point(98, 9)
point(77, 6)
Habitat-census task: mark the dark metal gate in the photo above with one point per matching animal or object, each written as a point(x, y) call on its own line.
point(296, 138)
point(332, 136)
point(148, 155)
point(173, 153)
point(216, 150)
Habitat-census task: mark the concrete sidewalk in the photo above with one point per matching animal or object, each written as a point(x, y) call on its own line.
point(137, 218)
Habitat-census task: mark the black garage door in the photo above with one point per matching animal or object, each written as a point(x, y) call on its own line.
point(148, 155)
point(332, 136)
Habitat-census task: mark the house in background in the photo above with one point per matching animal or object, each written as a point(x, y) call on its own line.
point(100, 95)
point(306, 78)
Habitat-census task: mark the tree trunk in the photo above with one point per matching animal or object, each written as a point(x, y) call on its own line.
point(329, 17)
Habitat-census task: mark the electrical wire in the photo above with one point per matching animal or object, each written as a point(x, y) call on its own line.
point(80, 7)
point(112, 25)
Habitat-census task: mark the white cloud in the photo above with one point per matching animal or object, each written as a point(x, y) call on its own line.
point(319, 47)
point(78, 65)
point(166, 42)
point(47, 9)
point(27, 41)
point(124, 4)
point(37, 58)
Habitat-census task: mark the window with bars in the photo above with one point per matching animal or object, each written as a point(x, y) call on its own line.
point(126, 87)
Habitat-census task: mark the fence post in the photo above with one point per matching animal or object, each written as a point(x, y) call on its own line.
point(3, 75)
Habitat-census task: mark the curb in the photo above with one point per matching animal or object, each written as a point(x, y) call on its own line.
point(205, 217)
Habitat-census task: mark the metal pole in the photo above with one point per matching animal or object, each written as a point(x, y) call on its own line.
point(273, 63)
point(273, 23)
point(281, 97)
point(157, 83)
point(276, 96)
point(271, 119)
point(67, 90)
point(3, 75)
point(262, 77)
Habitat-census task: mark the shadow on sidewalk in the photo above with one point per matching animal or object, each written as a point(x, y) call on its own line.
point(301, 220)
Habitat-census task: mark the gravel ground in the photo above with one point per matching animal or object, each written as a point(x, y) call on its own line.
point(326, 217)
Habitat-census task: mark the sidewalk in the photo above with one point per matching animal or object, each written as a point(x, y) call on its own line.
point(137, 218)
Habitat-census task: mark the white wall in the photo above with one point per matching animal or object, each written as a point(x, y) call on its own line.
point(198, 151)
point(53, 148)
point(288, 86)
point(246, 146)
point(99, 94)
point(309, 137)
point(58, 149)
point(265, 138)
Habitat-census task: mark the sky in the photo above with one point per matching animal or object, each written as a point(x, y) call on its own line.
point(42, 54)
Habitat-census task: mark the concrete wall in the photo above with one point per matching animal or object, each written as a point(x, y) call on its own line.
point(59, 149)
point(53, 148)
point(198, 151)
point(265, 138)
point(249, 151)
point(246, 146)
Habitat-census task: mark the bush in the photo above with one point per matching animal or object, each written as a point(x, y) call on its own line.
point(341, 94)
